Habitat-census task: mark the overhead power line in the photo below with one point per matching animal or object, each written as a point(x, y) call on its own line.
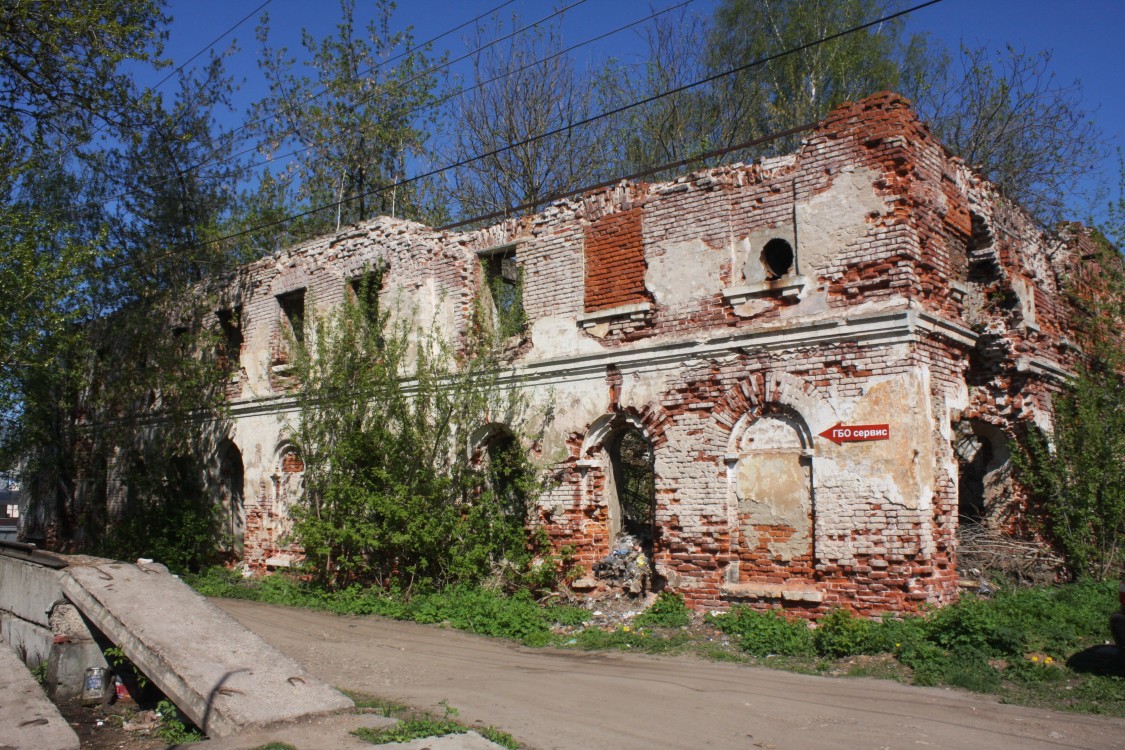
point(74, 142)
point(413, 110)
point(585, 121)
point(460, 92)
point(580, 123)
point(213, 42)
point(372, 69)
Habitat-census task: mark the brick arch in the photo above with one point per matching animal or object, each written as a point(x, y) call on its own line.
point(283, 449)
point(772, 392)
point(482, 436)
point(649, 420)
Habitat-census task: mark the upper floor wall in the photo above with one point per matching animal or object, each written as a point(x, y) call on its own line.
point(872, 213)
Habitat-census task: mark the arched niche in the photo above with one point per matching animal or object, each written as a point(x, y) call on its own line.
point(770, 469)
point(232, 487)
point(288, 488)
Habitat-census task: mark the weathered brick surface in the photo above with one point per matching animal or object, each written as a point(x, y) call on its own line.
point(918, 298)
point(615, 261)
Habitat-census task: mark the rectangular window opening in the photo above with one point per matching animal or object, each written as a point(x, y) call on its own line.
point(293, 313)
point(365, 291)
point(504, 281)
point(230, 341)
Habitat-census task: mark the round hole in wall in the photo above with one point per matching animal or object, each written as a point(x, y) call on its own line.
point(777, 257)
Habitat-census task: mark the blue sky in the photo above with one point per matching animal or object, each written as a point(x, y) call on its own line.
point(1085, 36)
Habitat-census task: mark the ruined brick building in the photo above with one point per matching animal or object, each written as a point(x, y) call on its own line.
point(718, 327)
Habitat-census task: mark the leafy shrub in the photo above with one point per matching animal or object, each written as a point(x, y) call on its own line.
point(485, 612)
point(765, 633)
point(928, 660)
point(975, 625)
point(841, 633)
point(390, 493)
point(668, 611)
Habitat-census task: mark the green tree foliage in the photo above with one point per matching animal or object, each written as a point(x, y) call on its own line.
point(787, 92)
point(670, 128)
point(353, 120)
point(801, 88)
point(106, 227)
point(391, 495)
point(60, 85)
point(1076, 476)
point(176, 179)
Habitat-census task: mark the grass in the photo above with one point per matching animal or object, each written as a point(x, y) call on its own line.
point(415, 724)
point(1031, 646)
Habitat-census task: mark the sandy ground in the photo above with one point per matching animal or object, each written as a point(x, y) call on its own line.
point(551, 699)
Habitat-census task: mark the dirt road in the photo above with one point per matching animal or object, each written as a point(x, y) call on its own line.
point(553, 699)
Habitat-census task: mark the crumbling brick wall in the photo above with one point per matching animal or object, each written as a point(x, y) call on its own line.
point(731, 316)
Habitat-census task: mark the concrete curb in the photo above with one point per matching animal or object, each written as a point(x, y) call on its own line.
point(27, 718)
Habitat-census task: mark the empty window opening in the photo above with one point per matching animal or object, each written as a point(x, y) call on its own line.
point(983, 464)
point(508, 475)
point(231, 484)
point(980, 253)
point(293, 313)
point(503, 279)
point(230, 341)
point(777, 257)
point(634, 482)
point(365, 292)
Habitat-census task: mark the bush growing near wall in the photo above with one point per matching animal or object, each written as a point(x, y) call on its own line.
point(1077, 478)
point(391, 494)
point(668, 611)
point(765, 633)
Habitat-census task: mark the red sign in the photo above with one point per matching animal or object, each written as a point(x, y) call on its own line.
point(856, 433)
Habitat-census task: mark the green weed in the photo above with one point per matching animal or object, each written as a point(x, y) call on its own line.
point(765, 633)
point(668, 611)
point(173, 729)
point(414, 725)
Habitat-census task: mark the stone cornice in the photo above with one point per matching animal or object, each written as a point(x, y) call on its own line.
point(884, 328)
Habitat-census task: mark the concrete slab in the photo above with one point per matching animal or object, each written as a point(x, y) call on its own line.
point(318, 733)
point(27, 719)
point(335, 733)
point(222, 676)
point(466, 741)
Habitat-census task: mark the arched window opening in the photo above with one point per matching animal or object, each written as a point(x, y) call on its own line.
point(777, 257)
point(983, 461)
point(231, 499)
point(508, 476)
point(634, 485)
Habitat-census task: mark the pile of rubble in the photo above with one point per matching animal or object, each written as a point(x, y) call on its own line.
point(627, 566)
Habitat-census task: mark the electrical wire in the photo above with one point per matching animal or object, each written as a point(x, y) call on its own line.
point(214, 41)
point(243, 169)
point(404, 53)
point(74, 142)
point(366, 100)
point(585, 121)
point(556, 131)
point(460, 92)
